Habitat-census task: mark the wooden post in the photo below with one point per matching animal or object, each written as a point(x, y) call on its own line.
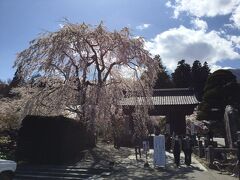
point(210, 155)
point(200, 149)
point(238, 153)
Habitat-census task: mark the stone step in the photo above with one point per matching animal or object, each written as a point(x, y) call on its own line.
point(44, 177)
point(59, 172)
point(59, 169)
point(53, 174)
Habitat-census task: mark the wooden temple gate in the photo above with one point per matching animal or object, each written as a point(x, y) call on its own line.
point(175, 104)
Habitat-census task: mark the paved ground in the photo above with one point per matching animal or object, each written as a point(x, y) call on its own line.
point(106, 162)
point(129, 168)
point(170, 171)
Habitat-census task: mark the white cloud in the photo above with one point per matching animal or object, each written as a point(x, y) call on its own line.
point(235, 39)
point(168, 4)
point(228, 25)
point(200, 8)
point(235, 18)
point(61, 25)
point(129, 73)
point(215, 67)
point(208, 8)
point(199, 24)
point(143, 26)
point(126, 72)
point(189, 44)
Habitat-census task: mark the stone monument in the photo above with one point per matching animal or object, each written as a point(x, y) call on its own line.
point(231, 118)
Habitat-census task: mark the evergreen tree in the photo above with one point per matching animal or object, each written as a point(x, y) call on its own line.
point(3, 88)
point(205, 71)
point(182, 75)
point(199, 76)
point(17, 79)
point(163, 79)
point(221, 89)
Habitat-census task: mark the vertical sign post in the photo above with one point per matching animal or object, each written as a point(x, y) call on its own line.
point(145, 146)
point(145, 150)
point(159, 157)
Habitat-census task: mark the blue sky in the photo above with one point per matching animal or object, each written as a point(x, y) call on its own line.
point(207, 30)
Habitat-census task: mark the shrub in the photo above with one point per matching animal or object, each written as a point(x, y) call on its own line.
point(52, 140)
point(8, 144)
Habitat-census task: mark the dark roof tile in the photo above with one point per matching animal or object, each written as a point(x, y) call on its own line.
point(164, 97)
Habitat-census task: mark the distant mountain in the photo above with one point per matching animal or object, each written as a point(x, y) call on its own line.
point(236, 72)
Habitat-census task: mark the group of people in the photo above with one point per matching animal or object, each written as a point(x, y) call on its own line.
point(185, 144)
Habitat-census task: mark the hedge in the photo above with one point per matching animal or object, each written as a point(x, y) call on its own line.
point(52, 140)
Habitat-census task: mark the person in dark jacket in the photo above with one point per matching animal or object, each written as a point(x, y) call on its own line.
point(167, 142)
point(177, 150)
point(187, 149)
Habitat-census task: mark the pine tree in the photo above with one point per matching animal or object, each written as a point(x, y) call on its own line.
point(163, 79)
point(182, 75)
point(199, 76)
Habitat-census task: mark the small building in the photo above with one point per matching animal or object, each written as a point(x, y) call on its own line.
point(174, 103)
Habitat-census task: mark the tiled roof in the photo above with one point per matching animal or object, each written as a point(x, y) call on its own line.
point(164, 97)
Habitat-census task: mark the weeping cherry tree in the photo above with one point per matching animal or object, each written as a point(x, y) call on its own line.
point(87, 70)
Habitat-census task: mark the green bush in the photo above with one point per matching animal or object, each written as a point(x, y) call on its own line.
point(8, 144)
point(52, 140)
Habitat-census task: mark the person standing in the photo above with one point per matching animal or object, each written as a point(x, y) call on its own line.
point(177, 150)
point(187, 149)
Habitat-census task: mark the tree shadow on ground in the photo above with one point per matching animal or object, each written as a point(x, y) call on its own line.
point(103, 156)
point(123, 164)
point(139, 172)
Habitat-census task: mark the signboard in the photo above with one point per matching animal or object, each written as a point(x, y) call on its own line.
point(145, 146)
point(159, 157)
